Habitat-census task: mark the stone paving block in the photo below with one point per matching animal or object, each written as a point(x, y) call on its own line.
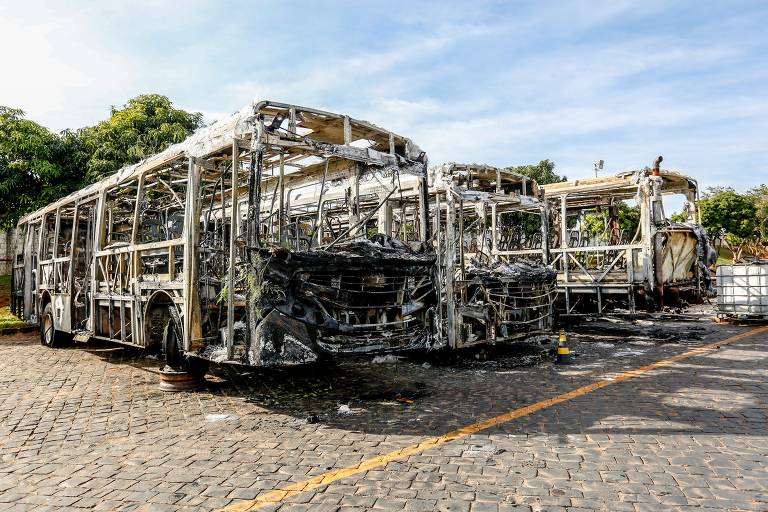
point(89, 431)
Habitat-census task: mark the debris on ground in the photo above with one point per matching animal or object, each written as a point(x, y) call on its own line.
point(385, 359)
point(346, 410)
point(216, 417)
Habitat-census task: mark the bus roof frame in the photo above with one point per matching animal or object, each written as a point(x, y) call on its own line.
point(219, 136)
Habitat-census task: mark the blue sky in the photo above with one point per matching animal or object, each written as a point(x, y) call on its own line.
point(502, 83)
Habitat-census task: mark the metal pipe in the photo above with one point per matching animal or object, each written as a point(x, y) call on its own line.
point(281, 203)
point(424, 203)
point(361, 221)
point(319, 219)
point(232, 267)
point(656, 163)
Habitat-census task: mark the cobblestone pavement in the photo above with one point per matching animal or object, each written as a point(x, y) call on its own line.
point(87, 428)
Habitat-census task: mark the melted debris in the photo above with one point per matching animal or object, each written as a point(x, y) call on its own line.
point(524, 271)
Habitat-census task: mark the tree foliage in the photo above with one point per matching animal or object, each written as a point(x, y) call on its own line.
point(543, 172)
point(144, 126)
point(681, 217)
point(731, 216)
point(38, 166)
point(596, 224)
point(723, 210)
point(35, 166)
point(759, 196)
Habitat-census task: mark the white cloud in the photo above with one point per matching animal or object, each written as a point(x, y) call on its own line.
point(465, 84)
point(55, 73)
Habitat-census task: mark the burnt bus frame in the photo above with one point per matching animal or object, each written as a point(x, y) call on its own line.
point(116, 289)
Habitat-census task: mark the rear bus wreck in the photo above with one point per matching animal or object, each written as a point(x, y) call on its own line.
point(210, 249)
point(660, 262)
point(487, 231)
point(490, 238)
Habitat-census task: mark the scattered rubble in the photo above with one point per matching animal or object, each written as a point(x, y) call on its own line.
point(385, 359)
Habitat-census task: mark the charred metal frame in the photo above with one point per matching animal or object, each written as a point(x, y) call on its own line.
point(216, 233)
point(481, 299)
point(663, 258)
point(489, 292)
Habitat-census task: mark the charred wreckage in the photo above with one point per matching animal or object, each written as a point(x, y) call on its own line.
point(490, 239)
point(250, 242)
point(659, 262)
point(283, 234)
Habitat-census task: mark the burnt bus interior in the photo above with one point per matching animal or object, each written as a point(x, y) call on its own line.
point(492, 263)
point(503, 289)
point(24, 273)
point(211, 248)
point(612, 267)
point(340, 238)
point(107, 261)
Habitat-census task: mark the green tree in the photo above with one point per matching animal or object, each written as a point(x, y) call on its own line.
point(759, 197)
point(34, 166)
point(38, 166)
point(543, 172)
point(145, 125)
point(629, 220)
point(725, 212)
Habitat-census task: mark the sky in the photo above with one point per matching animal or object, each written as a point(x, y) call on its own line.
point(501, 83)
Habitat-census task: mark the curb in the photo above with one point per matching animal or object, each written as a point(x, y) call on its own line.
point(17, 330)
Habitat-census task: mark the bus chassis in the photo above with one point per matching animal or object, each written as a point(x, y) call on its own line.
point(493, 276)
point(659, 264)
point(205, 251)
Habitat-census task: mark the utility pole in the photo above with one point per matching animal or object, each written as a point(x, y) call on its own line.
point(598, 166)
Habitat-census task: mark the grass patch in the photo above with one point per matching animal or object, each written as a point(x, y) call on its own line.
point(724, 261)
point(5, 290)
point(724, 256)
point(8, 320)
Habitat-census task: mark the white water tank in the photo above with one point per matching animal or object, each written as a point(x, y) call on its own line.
point(742, 289)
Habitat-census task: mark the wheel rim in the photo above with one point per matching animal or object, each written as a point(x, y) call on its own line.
point(48, 329)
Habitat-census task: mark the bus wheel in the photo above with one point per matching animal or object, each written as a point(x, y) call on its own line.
point(48, 335)
point(174, 355)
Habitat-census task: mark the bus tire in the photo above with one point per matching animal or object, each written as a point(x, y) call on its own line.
point(174, 354)
point(49, 336)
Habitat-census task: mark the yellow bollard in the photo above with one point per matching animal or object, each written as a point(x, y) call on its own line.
point(563, 352)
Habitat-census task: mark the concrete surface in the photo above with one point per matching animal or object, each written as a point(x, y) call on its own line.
point(87, 428)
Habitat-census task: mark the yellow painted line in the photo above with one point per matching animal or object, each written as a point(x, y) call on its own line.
point(278, 495)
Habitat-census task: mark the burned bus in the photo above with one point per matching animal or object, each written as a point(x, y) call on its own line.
point(613, 255)
point(488, 232)
point(209, 250)
point(491, 240)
